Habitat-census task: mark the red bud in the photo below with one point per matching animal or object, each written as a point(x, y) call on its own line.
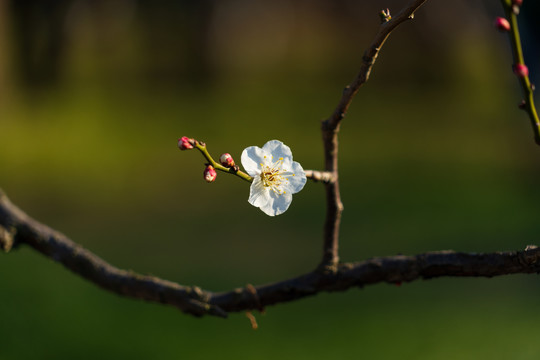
point(185, 143)
point(209, 174)
point(521, 70)
point(226, 160)
point(502, 24)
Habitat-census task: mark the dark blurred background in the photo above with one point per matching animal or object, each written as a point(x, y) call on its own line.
point(434, 155)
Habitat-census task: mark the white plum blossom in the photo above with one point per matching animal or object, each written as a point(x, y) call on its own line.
point(276, 177)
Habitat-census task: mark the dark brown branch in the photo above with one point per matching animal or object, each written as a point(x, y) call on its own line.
point(334, 206)
point(392, 269)
point(83, 262)
point(193, 300)
point(330, 130)
point(368, 60)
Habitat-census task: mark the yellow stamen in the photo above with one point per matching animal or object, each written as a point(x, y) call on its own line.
point(273, 176)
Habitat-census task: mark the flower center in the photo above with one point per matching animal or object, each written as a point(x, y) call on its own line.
point(272, 176)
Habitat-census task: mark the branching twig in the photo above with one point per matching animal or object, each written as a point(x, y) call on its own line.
point(330, 129)
point(193, 300)
point(201, 146)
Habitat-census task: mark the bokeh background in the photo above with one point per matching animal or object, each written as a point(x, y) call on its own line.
point(434, 155)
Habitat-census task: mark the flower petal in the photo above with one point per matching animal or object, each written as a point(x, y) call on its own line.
point(278, 150)
point(277, 203)
point(258, 194)
point(296, 179)
point(251, 159)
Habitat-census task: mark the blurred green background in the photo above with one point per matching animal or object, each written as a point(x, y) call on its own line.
point(434, 155)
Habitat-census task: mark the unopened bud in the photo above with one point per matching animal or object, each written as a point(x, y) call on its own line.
point(226, 160)
point(517, 2)
point(185, 143)
point(521, 70)
point(209, 174)
point(502, 24)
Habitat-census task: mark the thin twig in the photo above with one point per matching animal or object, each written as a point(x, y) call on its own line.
point(368, 60)
point(322, 176)
point(201, 146)
point(198, 302)
point(517, 54)
point(330, 129)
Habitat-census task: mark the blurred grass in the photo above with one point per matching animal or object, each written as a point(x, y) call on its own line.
point(434, 155)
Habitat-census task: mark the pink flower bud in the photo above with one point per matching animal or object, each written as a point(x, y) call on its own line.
point(517, 2)
point(226, 160)
point(502, 24)
point(209, 174)
point(521, 70)
point(185, 143)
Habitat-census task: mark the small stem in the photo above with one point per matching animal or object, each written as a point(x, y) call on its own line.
point(232, 170)
point(322, 176)
point(517, 53)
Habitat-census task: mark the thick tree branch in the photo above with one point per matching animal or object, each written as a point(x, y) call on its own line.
point(193, 300)
point(330, 130)
point(392, 269)
point(83, 262)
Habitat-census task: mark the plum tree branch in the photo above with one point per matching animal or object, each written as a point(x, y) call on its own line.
point(330, 130)
point(17, 228)
point(195, 301)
